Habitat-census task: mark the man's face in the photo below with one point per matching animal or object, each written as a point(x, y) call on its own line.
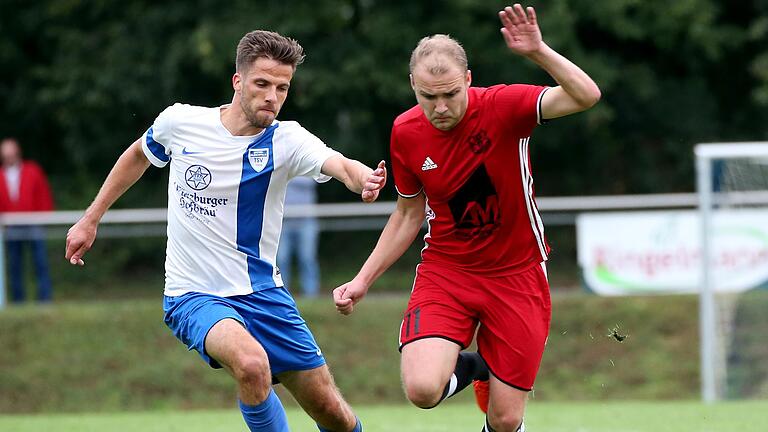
point(262, 89)
point(10, 153)
point(443, 98)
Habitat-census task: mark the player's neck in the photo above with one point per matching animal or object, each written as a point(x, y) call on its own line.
point(233, 119)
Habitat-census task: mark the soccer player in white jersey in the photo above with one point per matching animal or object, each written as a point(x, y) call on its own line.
point(223, 293)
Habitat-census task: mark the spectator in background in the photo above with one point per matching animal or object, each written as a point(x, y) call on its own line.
point(299, 238)
point(24, 188)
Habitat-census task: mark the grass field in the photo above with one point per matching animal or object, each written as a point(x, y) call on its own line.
point(542, 417)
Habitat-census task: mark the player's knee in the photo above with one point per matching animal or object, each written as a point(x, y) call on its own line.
point(423, 394)
point(504, 422)
point(328, 408)
point(254, 376)
point(333, 413)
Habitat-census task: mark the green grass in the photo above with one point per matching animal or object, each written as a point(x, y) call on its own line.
point(543, 416)
point(115, 356)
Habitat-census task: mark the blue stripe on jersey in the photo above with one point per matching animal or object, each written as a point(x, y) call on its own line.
point(251, 198)
point(156, 148)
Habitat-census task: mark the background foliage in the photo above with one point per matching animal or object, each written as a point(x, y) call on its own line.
point(80, 80)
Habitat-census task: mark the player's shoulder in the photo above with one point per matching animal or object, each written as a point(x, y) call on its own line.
point(292, 132)
point(180, 114)
point(509, 90)
point(486, 93)
point(290, 129)
point(186, 111)
point(289, 126)
point(410, 117)
point(410, 121)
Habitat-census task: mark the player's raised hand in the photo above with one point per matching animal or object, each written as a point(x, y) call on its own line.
point(374, 183)
point(80, 238)
point(520, 29)
point(346, 296)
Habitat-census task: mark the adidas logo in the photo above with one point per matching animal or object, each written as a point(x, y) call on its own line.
point(428, 164)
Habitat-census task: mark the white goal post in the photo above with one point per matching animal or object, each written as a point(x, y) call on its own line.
point(712, 377)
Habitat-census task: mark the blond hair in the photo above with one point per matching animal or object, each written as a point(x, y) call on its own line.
point(435, 47)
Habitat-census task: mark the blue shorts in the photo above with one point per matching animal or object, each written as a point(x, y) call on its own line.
point(269, 315)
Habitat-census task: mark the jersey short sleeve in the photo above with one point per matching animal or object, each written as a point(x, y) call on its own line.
point(156, 141)
point(310, 153)
point(407, 183)
point(521, 102)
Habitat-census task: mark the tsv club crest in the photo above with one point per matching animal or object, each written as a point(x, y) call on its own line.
point(258, 157)
point(198, 177)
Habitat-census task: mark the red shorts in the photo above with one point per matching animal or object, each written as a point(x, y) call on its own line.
point(513, 311)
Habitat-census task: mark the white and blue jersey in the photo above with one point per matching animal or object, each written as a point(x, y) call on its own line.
point(225, 197)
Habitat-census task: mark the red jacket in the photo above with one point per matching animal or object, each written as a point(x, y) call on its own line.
point(34, 191)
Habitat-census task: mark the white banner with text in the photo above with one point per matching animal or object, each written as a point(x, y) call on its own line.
point(628, 253)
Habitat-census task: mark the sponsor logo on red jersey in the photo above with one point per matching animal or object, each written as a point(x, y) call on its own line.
point(475, 207)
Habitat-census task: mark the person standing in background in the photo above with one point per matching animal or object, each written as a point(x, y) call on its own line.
point(24, 188)
point(299, 238)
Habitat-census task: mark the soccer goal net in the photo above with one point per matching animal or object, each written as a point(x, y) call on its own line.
point(733, 202)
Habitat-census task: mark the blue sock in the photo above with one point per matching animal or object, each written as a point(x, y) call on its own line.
point(268, 416)
point(358, 427)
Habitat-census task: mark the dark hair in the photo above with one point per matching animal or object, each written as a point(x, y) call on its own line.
point(263, 43)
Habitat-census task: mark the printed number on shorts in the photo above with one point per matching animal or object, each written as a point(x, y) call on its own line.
point(412, 317)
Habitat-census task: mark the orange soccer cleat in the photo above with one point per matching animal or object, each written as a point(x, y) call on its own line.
point(481, 394)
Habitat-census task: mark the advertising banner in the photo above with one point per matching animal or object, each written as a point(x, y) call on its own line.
point(629, 253)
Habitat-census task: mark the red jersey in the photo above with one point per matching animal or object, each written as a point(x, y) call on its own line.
point(477, 179)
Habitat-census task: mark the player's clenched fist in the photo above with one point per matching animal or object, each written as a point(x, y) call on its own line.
point(346, 296)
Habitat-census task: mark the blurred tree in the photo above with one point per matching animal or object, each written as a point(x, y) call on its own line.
point(81, 79)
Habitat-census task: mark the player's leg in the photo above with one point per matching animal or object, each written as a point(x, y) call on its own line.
point(426, 366)
point(296, 359)
point(513, 333)
point(230, 344)
point(215, 329)
point(435, 327)
point(506, 408)
point(316, 392)
point(433, 370)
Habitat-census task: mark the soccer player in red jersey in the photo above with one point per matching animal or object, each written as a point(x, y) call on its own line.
point(460, 158)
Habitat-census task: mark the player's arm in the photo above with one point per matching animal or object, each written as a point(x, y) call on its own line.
point(403, 226)
point(356, 177)
point(576, 91)
point(127, 170)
